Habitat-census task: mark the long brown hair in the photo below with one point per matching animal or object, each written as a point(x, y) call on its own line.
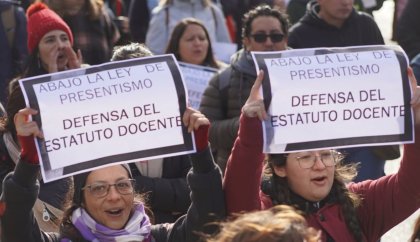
point(280, 193)
point(173, 43)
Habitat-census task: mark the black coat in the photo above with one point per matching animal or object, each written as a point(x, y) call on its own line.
point(312, 31)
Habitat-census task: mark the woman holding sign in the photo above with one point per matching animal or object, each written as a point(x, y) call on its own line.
point(50, 46)
point(103, 205)
point(316, 182)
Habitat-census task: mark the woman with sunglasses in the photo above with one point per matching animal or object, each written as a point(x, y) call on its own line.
point(264, 29)
point(103, 205)
point(316, 183)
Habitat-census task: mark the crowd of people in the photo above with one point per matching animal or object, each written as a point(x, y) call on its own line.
point(229, 190)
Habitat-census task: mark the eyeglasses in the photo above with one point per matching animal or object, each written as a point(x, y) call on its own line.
point(261, 38)
point(328, 158)
point(101, 189)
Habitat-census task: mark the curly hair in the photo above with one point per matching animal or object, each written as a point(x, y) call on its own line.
point(277, 224)
point(266, 11)
point(278, 189)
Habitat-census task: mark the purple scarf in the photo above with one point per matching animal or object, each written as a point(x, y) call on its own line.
point(137, 228)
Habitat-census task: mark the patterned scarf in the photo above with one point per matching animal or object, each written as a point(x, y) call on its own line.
point(137, 229)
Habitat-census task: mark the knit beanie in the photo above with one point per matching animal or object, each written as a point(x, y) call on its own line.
point(79, 182)
point(42, 20)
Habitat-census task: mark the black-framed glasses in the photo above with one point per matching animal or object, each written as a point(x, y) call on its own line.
point(261, 37)
point(101, 189)
point(329, 158)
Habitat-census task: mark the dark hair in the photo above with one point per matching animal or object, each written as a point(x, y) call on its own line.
point(278, 189)
point(179, 29)
point(267, 11)
point(130, 51)
point(280, 223)
point(15, 100)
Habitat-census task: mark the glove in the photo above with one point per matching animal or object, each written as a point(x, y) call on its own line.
point(28, 150)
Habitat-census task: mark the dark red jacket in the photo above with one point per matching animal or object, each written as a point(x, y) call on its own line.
point(386, 201)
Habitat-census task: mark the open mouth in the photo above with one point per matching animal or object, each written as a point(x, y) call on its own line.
point(320, 179)
point(114, 212)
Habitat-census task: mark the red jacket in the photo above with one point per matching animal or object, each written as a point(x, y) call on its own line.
point(386, 201)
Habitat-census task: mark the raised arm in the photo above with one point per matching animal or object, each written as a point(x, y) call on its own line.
point(20, 188)
point(391, 199)
point(205, 181)
point(243, 172)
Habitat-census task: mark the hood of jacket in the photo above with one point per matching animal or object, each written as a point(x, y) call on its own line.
point(242, 61)
point(311, 17)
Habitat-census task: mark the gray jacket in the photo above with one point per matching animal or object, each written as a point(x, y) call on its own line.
point(164, 19)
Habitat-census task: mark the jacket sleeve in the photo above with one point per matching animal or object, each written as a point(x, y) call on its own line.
point(20, 191)
point(168, 194)
point(408, 31)
point(390, 199)
point(157, 34)
point(208, 206)
point(223, 130)
point(242, 179)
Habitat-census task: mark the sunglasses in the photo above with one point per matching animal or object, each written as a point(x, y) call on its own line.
point(261, 38)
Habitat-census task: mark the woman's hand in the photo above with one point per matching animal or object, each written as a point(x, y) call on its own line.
point(75, 60)
point(415, 99)
point(194, 120)
point(254, 106)
point(24, 127)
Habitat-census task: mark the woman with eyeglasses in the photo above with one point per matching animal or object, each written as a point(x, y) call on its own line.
point(317, 183)
point(103, 205)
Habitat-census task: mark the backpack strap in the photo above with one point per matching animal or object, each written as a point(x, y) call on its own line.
point(213, 12)
point(9, 24)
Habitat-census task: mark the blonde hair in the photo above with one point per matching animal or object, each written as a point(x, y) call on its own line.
point(278, 224)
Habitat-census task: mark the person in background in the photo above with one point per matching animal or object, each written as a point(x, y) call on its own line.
point(118, 11)
point(163, 180)
point(50, 51)
point(280, 223)
point(264, 29)
point(169, 12)
point(13, 38)
point(336, 23)
point(139, 18)
point(318, 184)
point(103, 205)
point(95, 34)
point(190, 43)
point(408, 31)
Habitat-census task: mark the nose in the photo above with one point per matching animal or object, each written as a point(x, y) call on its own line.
point(61, 44)
point(113, 194)
point(319, 164)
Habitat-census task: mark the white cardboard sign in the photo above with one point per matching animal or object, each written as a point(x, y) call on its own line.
point(111, 113)
point(335, 97)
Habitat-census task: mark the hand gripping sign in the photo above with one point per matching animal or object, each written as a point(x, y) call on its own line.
point(111, 113)
point(335, 97)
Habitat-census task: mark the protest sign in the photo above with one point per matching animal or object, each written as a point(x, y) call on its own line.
point(111, 113)
point(335, 97)
point(196, 79)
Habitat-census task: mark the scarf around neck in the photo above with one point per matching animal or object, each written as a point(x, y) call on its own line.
point(137, 228)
